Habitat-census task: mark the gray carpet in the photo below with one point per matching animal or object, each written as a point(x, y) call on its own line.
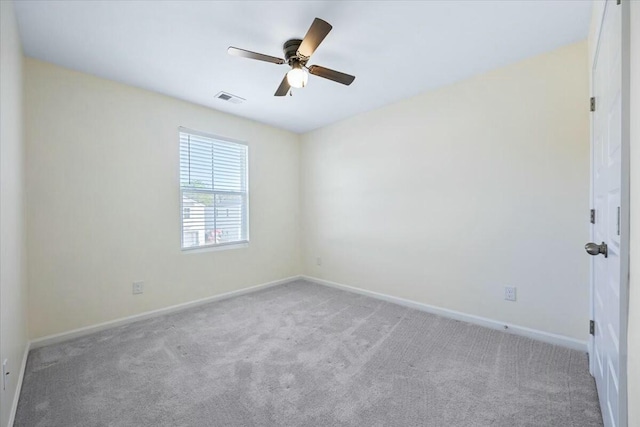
point(301, 354)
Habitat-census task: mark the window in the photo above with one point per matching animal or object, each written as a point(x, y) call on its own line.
point(213, 190)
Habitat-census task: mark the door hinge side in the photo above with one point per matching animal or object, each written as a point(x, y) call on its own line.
point(592, 103)
point(592, 216)
point(592, 327)
point(618, 220)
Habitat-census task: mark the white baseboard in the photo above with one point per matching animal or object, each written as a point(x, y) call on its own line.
point(470, 318)
point(16, 396)
point(75, 333)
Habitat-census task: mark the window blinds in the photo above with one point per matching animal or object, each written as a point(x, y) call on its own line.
point(213, 189)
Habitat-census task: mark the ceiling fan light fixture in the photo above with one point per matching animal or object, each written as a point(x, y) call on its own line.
point(297, 77)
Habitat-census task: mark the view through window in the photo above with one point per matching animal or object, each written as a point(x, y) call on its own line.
point(213, 189)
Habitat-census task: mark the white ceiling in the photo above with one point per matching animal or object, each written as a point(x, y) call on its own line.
point(395, 49)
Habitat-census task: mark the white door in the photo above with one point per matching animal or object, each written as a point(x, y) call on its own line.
point(606, 187)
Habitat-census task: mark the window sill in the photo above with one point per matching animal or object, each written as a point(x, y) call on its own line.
point(215, 248)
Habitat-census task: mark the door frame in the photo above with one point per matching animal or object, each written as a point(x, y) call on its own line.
point(598, 11)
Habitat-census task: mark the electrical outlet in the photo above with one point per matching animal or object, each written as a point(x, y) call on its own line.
point(510, 293)
point(318, 261)
point(138, 287)
point(5, 373)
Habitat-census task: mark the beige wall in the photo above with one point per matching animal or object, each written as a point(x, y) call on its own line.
point(13, 285)
point(634, 291)
point(103, 201)
point(447, 197)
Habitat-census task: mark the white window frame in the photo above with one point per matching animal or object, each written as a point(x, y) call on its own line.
point(214, 246)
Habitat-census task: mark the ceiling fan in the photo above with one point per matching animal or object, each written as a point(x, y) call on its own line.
point(297, 53)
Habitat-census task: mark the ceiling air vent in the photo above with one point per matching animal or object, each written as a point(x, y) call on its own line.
point(230, 98)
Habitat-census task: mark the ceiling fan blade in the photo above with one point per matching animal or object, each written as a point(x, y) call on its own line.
point(253, 55)
point(336, 76)
point(284, 87)
point(317, 32)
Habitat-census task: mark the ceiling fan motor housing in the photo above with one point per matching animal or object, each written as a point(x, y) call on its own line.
point(290, 49)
